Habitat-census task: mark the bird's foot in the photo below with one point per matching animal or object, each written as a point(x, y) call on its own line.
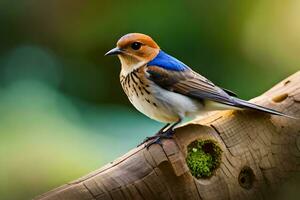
point(148, 139)
point(156, 139)
point(160, 132)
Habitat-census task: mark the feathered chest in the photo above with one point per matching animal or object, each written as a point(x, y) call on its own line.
point(136, 86)
point(146, 96)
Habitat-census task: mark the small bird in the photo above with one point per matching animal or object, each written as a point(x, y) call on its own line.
point(167, 90)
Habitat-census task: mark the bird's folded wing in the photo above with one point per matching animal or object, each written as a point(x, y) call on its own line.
point(188, 83)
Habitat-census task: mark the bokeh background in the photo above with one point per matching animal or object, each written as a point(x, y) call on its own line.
point(62, 110)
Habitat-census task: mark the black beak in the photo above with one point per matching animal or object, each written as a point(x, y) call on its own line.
point(114, 51)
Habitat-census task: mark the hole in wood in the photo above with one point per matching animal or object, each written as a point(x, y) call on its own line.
point(287, 82)
point(280, 98)
point(246, 178)
point(203, 158)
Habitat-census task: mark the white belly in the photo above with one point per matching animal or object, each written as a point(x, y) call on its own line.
point(165, 106)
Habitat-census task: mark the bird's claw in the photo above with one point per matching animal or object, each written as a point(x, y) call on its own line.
point(156, 139)
point(148, 139)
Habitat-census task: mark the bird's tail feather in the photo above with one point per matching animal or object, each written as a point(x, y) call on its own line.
point(245, 104)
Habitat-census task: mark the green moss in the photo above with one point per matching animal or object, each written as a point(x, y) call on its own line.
point(203, 157)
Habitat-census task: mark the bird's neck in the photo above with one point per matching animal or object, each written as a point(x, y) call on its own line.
point(128, 65)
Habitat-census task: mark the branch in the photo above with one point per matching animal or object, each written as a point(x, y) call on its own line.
point(227, 155)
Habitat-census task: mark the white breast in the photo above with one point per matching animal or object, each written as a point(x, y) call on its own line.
point(174, 104)
point(163, 105)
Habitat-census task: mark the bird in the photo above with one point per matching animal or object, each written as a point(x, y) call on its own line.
point(167, 90)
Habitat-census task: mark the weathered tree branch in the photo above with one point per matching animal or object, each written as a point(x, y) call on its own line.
point(259, 152)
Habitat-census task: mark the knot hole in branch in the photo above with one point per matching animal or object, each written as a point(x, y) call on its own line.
point(246, 178)
point(280, 98)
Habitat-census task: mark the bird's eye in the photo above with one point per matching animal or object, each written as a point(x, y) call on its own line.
point(136, 45)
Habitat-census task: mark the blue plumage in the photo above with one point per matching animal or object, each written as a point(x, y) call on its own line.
point(167, 62)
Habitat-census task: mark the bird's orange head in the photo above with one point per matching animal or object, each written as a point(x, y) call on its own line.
point(135, 50)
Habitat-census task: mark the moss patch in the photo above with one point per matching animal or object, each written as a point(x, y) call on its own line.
point(204, 156)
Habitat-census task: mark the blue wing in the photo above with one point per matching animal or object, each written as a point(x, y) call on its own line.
point(168, 62)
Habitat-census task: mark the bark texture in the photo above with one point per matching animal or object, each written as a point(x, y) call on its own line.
point(259, 153)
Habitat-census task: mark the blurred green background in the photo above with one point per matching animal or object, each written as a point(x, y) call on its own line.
point(62, 110)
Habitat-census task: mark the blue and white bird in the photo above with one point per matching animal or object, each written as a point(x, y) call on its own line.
point(167, 90)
